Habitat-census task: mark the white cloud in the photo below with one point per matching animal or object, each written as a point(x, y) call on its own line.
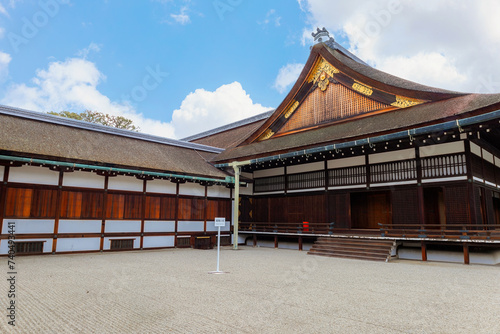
point(287, 76)
point(271, 17)
point(84, 53)
point(3, 10)
point(449, 43)
point(204, 110)
point(72, 85)
point(4, 66)
point(182, 17)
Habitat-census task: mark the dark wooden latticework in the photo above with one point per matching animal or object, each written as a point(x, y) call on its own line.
point(337, 102)
point(405, 206)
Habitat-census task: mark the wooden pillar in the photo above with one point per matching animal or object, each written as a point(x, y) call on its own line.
point(176, 211)
point(420, 189)
point(104, 205)
point(143, 211)
point(470, 183)
point(275, 241)
point(424, 251)
point(255, 240)
point(368, 173)
point(3, 195)
point(466, 253)
point(58, 210)
point(300, 243)
point(205, 210)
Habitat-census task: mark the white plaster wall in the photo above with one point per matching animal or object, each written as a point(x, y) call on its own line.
point(122, 182)
point(32, 174)
point(269, 172)
point(248, 190)
point(107, 242)
point(346, 162)
point(392, 156)
point(306, 168)
point(79, 226)
point(83, 179)
point(159, 226)
point(122, 226)
point(488, 156)
point(191, 189)
point(77, 244)
point(31, 226)
point(2, 169)
point(247, 175)
point(449, 256)
point(211, 226)
point(440, 149)
point(47, 245)
point(475, 149)
point(218, 191)
point(190, 226)
point(163, 241)
point(161, 186)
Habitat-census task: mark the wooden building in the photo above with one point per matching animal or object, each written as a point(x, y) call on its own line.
point(352, 154)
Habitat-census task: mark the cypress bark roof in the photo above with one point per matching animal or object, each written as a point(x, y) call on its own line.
point(34, 137)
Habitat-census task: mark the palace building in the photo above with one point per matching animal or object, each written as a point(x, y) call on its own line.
point(354, 163)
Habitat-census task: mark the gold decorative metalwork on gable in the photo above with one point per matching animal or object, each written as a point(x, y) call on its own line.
point(322, 67)
point(291, 109)
point(363, 89)
point(266, 135)
point(405, 102)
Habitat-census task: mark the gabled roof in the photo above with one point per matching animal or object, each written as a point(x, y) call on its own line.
point(47, 118)
point(353, 80)
point(337, 98)
point(31, 134)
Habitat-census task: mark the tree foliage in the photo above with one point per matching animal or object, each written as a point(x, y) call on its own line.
point(119, 122)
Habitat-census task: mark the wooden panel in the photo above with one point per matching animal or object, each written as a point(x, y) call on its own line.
point(167, 207)
point(370, 209)
point(457, 210)
point(152, 207)
point(405, 206)
point(278, 209)
point(191, 209)
point(84, 205)
point(261, 209)
point(337, 102)
point(18, 202)
point(218, 208)
point(115, 206)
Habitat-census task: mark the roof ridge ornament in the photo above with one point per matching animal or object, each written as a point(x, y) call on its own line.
point(322, 35)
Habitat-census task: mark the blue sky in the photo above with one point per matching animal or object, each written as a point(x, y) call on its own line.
point(178, 67)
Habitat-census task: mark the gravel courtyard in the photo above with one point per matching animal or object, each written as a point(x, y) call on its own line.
point(265, 291)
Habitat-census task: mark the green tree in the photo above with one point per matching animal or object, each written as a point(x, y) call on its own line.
point(119, 122)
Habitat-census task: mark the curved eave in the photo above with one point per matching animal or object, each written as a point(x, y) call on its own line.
point(357, 71)
point(422, 115)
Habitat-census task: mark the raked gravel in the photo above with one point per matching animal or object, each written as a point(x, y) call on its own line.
point(266, 291)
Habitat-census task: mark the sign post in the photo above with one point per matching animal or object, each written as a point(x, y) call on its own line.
point(219, 222)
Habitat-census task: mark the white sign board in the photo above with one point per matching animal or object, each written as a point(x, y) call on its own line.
point(220, 222)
